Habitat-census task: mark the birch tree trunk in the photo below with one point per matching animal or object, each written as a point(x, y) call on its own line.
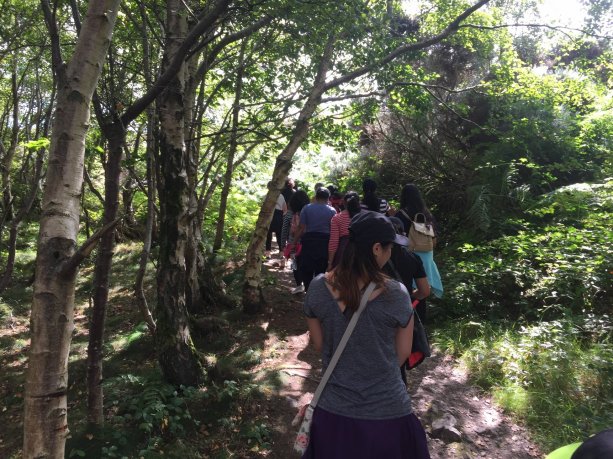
point(176, 352)
point(252, 292)
point(52, 317)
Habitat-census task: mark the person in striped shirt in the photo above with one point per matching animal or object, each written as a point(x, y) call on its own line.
point(339, 228)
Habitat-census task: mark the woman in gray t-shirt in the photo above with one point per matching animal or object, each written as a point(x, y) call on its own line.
point(364, 410)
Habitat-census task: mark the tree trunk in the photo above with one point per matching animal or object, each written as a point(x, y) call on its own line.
point(252, 293)
point(116, 136)
point(7, 160)
point(139, 291)
point(28, 201)
point(176, 352)
point(45, 417)
point(223, 202)
point(193, 247)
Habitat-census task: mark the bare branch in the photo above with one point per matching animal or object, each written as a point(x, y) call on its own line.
point(70, 265)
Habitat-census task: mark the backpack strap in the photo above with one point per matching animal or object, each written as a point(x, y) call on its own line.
point(405, 215)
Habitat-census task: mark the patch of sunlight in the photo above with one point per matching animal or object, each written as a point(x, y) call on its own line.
point(119, 343)
point(78, 351)
point(490, 417)
point(512, 398)
point(128, 247)
point(138, 333)
point(19, 344)
point(122, 341)
point(25, 256)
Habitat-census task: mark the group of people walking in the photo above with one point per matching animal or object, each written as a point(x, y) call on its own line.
point(367, 269)
point(312, 232)
point(338, 244)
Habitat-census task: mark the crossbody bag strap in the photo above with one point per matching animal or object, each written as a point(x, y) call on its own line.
point(342, 344)
point(402, 211)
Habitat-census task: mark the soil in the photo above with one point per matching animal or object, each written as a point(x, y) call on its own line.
point(438, 387)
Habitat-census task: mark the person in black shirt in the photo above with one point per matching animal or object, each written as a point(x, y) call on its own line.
point(406, 267)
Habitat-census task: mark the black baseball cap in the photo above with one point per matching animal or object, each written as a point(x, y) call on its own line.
point(368, 227)
point(596, 447)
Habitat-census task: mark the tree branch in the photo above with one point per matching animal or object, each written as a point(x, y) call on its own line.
point(225, 41)
point(198, 30)
point(561, 29)
point(56, 52)
point(88, 246)
point(450, 29)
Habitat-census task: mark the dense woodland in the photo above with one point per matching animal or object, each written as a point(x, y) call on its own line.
point(143, 145)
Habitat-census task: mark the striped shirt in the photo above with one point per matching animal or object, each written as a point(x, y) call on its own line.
point(383, 206)
point(339, 227)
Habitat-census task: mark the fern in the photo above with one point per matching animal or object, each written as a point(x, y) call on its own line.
point(479, 210)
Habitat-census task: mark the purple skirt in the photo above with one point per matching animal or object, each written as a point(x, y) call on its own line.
point(336, 437)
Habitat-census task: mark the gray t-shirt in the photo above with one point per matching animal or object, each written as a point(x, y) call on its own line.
point(366, 382)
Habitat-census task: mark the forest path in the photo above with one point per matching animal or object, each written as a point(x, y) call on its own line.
point(438, 387)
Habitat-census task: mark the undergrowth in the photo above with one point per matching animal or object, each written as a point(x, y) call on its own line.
point(532, 316)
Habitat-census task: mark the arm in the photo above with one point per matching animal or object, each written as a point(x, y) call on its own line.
point(333, 244)
point(316, 333)
point(301, 226)
point(287, 221)
point(404, 342)
point(299, 232)
point(423, 289)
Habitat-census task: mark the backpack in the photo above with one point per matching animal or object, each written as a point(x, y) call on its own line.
point(421, 235)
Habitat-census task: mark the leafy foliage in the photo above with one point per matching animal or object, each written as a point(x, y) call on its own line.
point(532, 313)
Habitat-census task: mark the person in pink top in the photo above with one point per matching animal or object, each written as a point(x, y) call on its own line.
point(339, 228)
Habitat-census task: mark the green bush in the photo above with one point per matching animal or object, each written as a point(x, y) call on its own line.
point(532, 314)
point(558, 261)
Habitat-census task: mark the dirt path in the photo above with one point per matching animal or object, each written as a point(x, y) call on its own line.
point(438, 388)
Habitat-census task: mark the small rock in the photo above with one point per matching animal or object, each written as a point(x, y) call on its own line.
point(488, 431)
point(445, 429)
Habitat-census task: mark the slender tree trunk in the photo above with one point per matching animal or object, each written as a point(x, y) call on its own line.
point(252, 293)
point(139, 291)
point(16, 222)
point(151, 149)
point(223, 203)
point(7, 159)
point(45, 418)
point(193, 247)
point(176, 352)
point(115, 135)
point(28, 201)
